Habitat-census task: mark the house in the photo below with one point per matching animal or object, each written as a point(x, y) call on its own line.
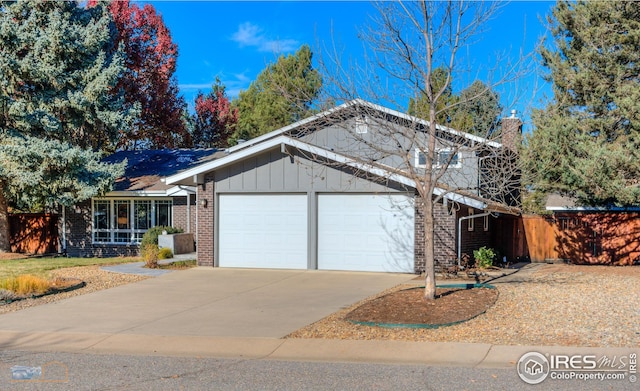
point(113, 225)
point(583, 234)
point(305, 197)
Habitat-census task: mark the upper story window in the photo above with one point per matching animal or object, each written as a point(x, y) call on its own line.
point(124, 221)
point(362, 125)
point(443, 157)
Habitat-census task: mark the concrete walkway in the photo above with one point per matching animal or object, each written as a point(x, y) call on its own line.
point(138, 267)
point(237, 313)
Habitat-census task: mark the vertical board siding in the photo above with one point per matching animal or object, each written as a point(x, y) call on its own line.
point(603, 238)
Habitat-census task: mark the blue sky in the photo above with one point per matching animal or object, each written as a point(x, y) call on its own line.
point(235, 40)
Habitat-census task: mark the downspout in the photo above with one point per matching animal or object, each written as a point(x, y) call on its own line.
point(188, 212)
point(460, 231)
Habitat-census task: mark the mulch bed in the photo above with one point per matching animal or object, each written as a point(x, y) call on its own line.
point(410, 307)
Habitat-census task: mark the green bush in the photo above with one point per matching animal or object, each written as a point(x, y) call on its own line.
point(165, 253)
point(151, 236)
point(484, 257)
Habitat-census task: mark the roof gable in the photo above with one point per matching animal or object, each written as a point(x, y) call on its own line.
point(350, 109)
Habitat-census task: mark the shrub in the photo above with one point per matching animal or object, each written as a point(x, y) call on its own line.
point(484, 257)
point(149, 252)
point(165, 253)
point(26, 284)
point(151, 236)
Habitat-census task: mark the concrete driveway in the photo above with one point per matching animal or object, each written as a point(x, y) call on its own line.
point(206, 302)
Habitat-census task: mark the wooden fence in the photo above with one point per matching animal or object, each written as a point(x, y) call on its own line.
point(611, 238)
point(34, 233)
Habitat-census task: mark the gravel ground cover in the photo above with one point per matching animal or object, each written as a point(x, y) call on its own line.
point(563, 305)
point(95, 279)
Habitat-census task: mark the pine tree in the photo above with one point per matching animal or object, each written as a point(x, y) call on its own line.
point(58, 72)
point(586, 142)
point(282, 94)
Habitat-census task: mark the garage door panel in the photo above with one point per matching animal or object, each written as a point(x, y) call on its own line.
point(263, 231)
point(365, 232)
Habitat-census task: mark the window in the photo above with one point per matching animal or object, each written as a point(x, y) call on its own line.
point(101, 221)
point(125, 221)
point(447, 156)
point(443, 157)
point(362, 125)
point(470, 222)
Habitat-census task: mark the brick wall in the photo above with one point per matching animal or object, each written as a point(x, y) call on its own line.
point(206, 225)
point(180, 213)
point(419, 258)
point(473, 240)
point(78, 236)
point(444, 236)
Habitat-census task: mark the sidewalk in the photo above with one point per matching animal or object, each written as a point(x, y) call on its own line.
point(138, 267)
point(394, 352)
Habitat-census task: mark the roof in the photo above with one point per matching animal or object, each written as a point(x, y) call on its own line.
point(559, 203)
point(194, 175)
point(146, 168)
point(349, 106)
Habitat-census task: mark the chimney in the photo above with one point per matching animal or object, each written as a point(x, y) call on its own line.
point(511, 132)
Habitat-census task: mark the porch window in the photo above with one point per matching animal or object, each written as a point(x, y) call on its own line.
point(124, 221)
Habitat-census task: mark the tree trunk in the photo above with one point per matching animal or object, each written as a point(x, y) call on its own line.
point(5, 243)
point(429, 261)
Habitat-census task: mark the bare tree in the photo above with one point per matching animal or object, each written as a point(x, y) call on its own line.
point(406, 43)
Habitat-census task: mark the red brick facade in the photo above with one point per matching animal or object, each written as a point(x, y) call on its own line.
point(205, 233)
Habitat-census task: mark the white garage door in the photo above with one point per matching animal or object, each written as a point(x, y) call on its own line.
point(263, 231)
point(365, 232)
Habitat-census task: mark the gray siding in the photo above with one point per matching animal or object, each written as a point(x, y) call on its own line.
point(274, 171)
point(342, 139)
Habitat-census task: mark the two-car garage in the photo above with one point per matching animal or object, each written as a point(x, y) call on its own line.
point(329, 231)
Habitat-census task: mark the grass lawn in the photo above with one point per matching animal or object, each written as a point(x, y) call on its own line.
point(41, 266)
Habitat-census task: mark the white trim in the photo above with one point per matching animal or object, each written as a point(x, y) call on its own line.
point(592, 209)
point(133, 231)
point(418, 152)
point(278, 141)
point(356, 102)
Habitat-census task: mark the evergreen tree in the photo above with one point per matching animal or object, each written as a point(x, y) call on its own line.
point(475, 110)
point(586, 142)
point(58, 70)
point(282, 94)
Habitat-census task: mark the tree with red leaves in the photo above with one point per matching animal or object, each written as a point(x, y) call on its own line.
point(148, 79)
point(215, 120)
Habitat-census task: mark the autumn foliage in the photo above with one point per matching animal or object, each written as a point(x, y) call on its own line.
point(215, 119)
point(148, 80)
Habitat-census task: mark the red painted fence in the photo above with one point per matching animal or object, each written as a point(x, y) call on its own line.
point(34, 233)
